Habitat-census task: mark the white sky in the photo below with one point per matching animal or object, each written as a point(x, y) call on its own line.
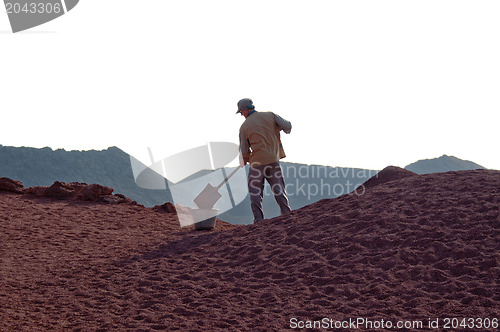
point(365, 83)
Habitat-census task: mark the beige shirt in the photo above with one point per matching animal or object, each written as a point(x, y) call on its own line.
point(260, 142)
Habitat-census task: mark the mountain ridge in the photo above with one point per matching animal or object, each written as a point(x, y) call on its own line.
point(441, 164)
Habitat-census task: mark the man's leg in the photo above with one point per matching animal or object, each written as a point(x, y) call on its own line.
point(274, 176)
point(256, 190)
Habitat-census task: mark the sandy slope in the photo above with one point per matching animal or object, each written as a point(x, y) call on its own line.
point(416, 247)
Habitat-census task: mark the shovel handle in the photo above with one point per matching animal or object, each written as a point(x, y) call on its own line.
point(227, 178)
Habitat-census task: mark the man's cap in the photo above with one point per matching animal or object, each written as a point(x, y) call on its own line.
point(245, 103)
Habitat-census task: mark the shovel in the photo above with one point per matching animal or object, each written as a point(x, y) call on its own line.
point(210, 195)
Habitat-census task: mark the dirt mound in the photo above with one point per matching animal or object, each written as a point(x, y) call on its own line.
point(79, 192)
point(390, 173)
point(74, 191)
point(415, 248)
point(165, 208)
point(13, 186)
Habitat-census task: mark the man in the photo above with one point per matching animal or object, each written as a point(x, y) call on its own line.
point(260, 145)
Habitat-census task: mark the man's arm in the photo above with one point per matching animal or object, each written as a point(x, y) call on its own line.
point(244, 148)
point(283, 124)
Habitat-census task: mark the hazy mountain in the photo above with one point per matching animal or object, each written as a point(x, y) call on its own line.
point(110, 167)
point(442, 164)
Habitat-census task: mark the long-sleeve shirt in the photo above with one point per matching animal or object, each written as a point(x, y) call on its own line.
point(260, 142)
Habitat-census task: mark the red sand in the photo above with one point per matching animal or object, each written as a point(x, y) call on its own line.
point(417, 247)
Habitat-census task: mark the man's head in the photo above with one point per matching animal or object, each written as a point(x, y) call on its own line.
point(245, 107)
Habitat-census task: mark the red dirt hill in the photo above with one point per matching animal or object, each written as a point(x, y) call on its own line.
point(413, 248)
point(388, 174)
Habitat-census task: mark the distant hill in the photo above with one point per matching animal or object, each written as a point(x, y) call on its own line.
point(442, 164)
point(110, 167)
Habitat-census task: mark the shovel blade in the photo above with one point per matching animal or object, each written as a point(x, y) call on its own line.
point(208, 197)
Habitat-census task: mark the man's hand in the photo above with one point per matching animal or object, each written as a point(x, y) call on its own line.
point(243, 162)
point(283, 124)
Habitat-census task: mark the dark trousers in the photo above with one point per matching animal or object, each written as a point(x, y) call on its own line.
point(274, 176)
